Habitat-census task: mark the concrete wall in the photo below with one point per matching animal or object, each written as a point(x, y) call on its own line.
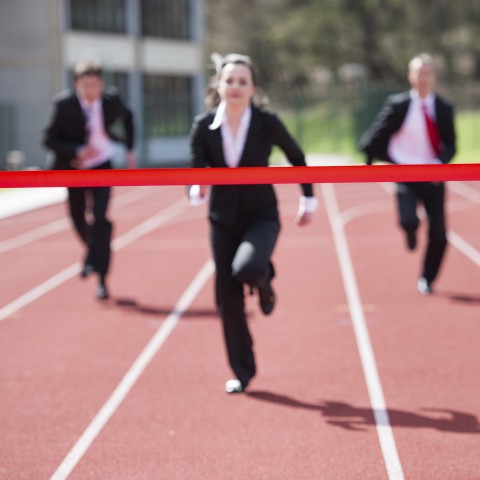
point(36, 52)
point(25, 70)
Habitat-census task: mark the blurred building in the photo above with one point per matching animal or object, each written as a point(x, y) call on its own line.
point(152, 50)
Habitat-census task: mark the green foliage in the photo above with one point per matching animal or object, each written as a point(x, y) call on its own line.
point(468, 138)
point(289, 39)
point(301, 48)
point(319, 130)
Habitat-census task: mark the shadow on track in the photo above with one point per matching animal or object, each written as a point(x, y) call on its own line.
point(458, 297)
point(132, 305)
point(354, 418)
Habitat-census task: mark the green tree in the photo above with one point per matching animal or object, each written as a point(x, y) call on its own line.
point(289, 39)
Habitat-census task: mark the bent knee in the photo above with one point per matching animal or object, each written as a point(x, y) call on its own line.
point(251, 274)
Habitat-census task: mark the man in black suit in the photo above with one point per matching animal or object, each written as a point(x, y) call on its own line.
point(81, 130)
point(417, 127)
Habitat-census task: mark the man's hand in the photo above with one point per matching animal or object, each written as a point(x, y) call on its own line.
point(83, 155)
point(131, 159)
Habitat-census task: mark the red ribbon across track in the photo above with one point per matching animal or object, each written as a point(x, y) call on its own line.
point(231, 176)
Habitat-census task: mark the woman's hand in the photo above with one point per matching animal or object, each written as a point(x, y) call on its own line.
point(197, 194)
point(306, 207)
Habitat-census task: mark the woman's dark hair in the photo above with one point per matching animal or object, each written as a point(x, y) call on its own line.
point(212, 98)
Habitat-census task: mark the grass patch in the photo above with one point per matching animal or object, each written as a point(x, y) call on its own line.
point(325, 130)
point(467, 124)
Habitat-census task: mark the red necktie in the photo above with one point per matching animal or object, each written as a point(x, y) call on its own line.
point(432, 130)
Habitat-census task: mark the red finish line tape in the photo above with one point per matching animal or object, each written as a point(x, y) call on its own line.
point(235, 176)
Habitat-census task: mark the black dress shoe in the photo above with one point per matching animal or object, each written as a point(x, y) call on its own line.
point(102, 291)
point(411, 239)
point(266, 298)
point(86, 270)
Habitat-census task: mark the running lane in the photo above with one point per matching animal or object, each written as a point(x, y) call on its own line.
point(64, 356)
point(63, 353)
point(427, 348)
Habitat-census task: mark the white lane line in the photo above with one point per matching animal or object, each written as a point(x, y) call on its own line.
point(456, 240)
point(133, 374)
point(33, 235)
point(388, 187)
point(464, 247)
point(367, 357)
point(134, 234)
point(465, 191)
point(151, 224)
point(39, 291)
point(361, 210)
point(62, 224)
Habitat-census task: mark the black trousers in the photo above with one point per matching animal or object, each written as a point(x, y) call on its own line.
point(242, 256)
point(88, 211)
point(432, 196)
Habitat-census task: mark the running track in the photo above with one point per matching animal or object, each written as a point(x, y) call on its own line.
point(359, 376)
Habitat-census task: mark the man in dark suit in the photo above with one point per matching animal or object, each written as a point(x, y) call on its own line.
point(417, 127)
point(81, 130)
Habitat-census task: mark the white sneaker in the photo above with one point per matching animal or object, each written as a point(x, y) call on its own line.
point(423, 287)
point(233, 386)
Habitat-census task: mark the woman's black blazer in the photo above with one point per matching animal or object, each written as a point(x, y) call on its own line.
point(233, 204)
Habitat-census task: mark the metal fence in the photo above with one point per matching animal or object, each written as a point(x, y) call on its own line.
point(331, 118)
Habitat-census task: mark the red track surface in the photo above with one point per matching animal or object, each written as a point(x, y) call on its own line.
point(307, 415)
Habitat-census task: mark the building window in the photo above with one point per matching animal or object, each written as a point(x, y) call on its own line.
point(166, 18)
point(119, 80)
point(98, 15)
point(167, 105)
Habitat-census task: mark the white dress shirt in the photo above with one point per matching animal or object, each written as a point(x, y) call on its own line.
point(411, 144)
point(233, 146)
point(97, 137)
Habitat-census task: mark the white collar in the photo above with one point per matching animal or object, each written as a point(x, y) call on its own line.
point(429, 100)
point(87, 105)
point(221, 116)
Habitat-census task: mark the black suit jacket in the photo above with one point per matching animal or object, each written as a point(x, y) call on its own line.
point(375, 140)
point(66, 130)
point(233, 204)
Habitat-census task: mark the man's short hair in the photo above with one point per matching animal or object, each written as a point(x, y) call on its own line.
point(87, 68)
point(419, 60)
